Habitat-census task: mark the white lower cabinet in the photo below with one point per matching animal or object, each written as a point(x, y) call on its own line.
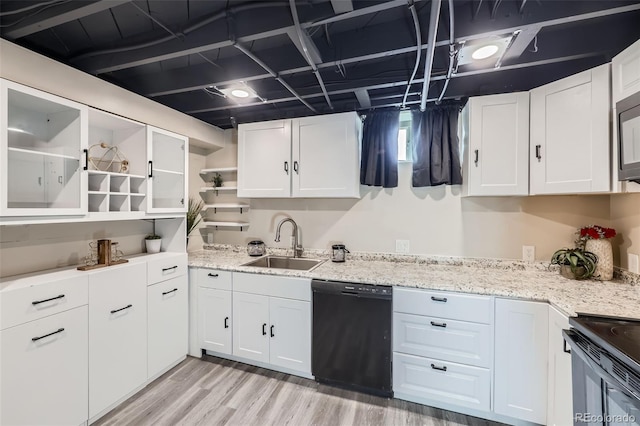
point(272, 330)
point(560, 389)
point(44, 368)
point(117, 334)
point(214, 320)
point(440, 381)
point(521, 352)
point(167, 323)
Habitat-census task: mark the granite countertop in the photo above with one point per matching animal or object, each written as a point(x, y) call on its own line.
point(516, 279)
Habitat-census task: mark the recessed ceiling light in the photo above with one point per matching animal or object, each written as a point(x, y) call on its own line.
point(240, 93)
point(485, 52)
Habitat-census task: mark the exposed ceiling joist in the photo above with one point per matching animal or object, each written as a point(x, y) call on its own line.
point(58, 15)
point(342, 6)
point(363, 98)
point(522, 41)
point(312, 49)
point(434, 17)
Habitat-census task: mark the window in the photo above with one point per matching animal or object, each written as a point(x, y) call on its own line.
point(404, 137)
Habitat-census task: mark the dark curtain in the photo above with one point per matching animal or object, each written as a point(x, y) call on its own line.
point(436, 154)
point(379, 164)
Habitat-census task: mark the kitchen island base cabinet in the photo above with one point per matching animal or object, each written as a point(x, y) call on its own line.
point(521, 352)
point(167, 324)
point(45, 381)
point(117, 334)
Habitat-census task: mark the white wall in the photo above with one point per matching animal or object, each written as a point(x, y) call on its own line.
point(625, 219)
point(436, 221)
point(31, 69)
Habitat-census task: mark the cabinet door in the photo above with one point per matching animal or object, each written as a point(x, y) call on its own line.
point(626, 72)
point(290, 333)
point(214, 320)
point(43, 139)
point(250, 326)
point(45, 381)
point(570, 135)
point(167, 324)
point(167, 177)
point(521, 338)
point(326, 156)
point(496, 140)
point(264, 159)
point(117, 334)
point(560, 390)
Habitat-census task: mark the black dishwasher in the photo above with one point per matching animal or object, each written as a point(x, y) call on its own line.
point(352, 336)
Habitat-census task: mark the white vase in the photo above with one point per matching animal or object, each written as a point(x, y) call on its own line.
point(153, 246)
point(602, 249)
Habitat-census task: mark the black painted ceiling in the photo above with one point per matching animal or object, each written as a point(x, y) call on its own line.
point(180, 52)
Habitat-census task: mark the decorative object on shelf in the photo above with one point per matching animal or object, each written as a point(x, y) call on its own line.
point(575, 263)
point(116, 253)
point(112, 160)
point(216, 180)
point(153, 243)
point(339, 253)
point(597, 239)
point(193, 215)
point(101, 254)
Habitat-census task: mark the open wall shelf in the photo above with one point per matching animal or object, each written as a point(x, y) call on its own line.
point(212, 207)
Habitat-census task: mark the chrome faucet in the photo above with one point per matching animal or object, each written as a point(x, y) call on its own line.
point(297, 248)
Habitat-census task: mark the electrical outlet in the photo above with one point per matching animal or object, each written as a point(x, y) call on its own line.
point(402, 246)
point(529, 253)
point(210, 238)
point(633, 262)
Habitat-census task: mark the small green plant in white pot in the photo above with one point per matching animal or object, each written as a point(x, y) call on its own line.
point(153, 243)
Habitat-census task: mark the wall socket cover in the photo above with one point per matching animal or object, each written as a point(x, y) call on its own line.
point(402, 246)
point(529, 253)
point(633, 262)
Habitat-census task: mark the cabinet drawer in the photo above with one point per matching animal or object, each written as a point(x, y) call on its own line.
point(44, 382)
point(463, 307)
point(212, 278)
point(166, 267)
point(444, 339)
point(41, 300)
point(426, 379)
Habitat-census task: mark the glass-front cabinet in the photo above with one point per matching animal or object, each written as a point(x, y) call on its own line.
point(167, 179)
point(43, 142)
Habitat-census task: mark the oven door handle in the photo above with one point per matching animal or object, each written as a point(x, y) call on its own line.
point(604, 375)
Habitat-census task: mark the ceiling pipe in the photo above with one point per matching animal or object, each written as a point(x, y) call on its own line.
point(452, 52)
point(272, 73)
point(416, 23)
point(431, 43)
point(305, 49)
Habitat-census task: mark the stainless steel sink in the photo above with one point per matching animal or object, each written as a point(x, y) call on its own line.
point(281, 262)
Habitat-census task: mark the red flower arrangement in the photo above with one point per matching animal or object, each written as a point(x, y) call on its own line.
point(594, 232)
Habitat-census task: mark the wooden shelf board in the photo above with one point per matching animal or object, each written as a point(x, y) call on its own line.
point(101, 172)
point(218, 170)
point(226, 224)
point(225, 206)
point(222, 188)
point(42, 153)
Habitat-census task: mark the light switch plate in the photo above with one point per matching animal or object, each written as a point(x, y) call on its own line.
point(633, 262)
point(402, 246)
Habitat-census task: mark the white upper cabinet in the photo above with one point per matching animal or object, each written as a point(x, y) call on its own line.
point(326, 155)
point(264, 159)
point(167, 167)
point(43, 142)
point(310, 157)
point(496, 144)
point(626, 73)
point(570, 138)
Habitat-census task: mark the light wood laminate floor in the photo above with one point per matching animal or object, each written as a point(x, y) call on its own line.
point(215, 391)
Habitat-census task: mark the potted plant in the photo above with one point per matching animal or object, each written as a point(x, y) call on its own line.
point(216, 180)
point(153, 243)
point(575, 263)
point(193, 215)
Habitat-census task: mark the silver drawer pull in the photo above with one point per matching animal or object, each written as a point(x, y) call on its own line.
point(439, 299)
point(60, 330)
point(168, 269)
point(121, 309)
point(435, 367)
point(439, 324)
point(37, 302)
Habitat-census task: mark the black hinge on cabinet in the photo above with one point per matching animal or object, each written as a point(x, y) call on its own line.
point(182, 201)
